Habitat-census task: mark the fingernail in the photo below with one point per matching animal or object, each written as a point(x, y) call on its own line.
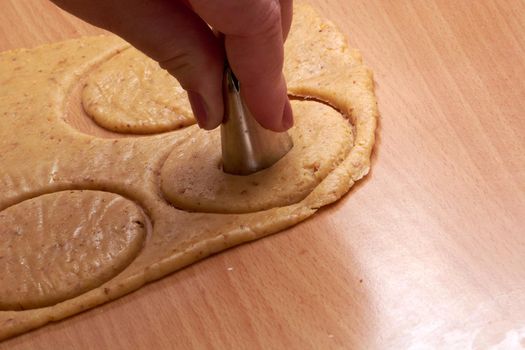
point(200, 110)
point(287, 116)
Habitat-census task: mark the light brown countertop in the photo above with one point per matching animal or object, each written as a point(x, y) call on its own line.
point(429, 249)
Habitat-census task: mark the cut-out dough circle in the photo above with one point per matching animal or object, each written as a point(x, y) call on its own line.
point(60, 245)
point(130, 93)
point(192, 178)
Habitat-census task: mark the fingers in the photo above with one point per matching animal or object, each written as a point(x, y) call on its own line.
point(176, 36)
point(254, 47)
point(172, 34)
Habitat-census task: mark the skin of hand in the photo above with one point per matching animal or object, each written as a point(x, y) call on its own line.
point(177, 34)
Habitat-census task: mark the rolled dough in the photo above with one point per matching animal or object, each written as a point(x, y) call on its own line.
point(117, 227)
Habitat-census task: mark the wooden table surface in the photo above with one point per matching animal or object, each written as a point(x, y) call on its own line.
point(427, 252)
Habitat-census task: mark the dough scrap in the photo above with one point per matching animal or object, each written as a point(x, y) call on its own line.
point(42, 153)
point(48, 257)
point(131, 93)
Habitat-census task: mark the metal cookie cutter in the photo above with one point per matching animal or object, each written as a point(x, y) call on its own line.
point(247, 147)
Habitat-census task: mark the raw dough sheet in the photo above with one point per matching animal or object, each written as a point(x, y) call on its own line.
point(107, 183)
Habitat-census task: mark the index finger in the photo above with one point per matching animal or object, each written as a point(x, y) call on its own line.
point(253, 39)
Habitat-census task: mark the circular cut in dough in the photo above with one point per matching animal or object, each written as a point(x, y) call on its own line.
point(192, 178)
point(60, 245)
point(130, 93)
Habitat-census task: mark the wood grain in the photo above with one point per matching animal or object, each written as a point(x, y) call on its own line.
point(429, 250)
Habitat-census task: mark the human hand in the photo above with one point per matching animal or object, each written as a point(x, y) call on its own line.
point(176, 34)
